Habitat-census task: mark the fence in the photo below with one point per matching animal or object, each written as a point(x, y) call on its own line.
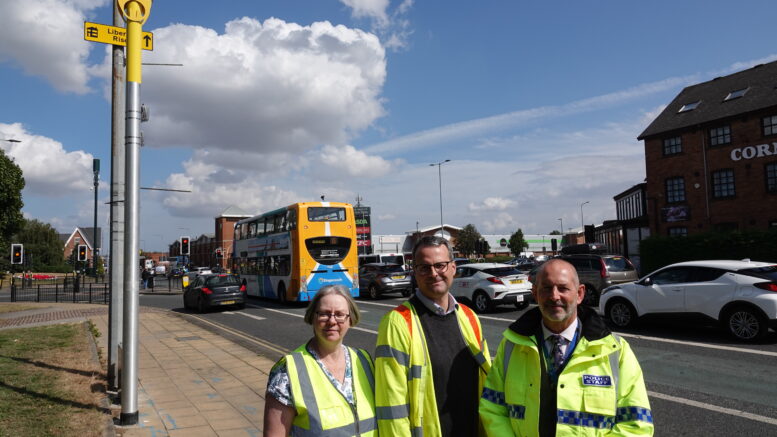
point(78, 289)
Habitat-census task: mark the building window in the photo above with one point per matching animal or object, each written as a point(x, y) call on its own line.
point(678, 231)
point(675, 190)
point(771, 177)
point(723, 183)
point(770, 125)
point(673, 146)
point(689, 106)
point(720, 135)
point(736, 94)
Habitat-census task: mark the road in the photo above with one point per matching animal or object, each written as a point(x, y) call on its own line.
point(700, 382)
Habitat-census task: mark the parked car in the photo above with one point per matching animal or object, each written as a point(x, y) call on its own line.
point(211, 290)
point(489, 284)
point(598, 272)
point(380, 278)
point(741, 295)
point(175, 272)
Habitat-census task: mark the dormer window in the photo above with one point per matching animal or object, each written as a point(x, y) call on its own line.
point(689, 106)
point(736, 94)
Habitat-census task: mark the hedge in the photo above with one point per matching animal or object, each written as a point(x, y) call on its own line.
point(659, 251)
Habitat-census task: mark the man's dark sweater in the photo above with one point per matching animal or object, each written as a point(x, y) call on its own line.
point(454, 369)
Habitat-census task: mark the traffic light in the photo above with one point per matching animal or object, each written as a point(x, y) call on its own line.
point(17, 254)
point(553, 244)
point(185, 246)
point(218, 253)
point(82, 252)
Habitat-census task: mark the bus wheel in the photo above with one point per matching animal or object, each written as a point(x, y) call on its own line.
point(282, 293)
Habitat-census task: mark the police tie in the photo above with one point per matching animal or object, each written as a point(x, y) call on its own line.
point(555, 353)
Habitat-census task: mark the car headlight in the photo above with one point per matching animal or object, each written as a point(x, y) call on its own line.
point(609, 289)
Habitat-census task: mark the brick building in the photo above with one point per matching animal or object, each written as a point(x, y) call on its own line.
point(203, 249)
point(711, 156)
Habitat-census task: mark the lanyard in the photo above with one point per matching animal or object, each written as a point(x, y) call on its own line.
point(553, 372)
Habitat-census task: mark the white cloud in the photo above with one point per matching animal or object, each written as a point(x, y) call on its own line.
point(375, 9)
point(262, 87)
point(387, 217)
point(45, 38)
point(49, 170)
point(392, 26)
point(492, 204)
point(346, 160)
point(502, 223)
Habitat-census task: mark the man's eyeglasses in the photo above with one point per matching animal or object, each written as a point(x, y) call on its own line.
point(339, 317)
point(426, 269)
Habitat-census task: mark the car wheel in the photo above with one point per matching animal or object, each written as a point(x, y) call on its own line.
point(521, 305)
point(481, 301)
point(406, 293)
point(373, 291)
point(746, 324)
point(201, 306)
point(591, 298)
point(241, 306)
point(621, 313)
point(282, 294)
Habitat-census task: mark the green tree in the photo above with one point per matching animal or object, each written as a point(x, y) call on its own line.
point(555, 232)
point(11, 219)
point(468, 240)
point(42, 246)
point(517, 243)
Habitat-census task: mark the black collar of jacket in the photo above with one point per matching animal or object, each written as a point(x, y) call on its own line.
point(594, 327)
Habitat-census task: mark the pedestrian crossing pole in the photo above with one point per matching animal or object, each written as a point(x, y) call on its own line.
point(135, 13)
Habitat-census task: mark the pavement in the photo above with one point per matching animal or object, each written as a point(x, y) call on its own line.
point(192, 382)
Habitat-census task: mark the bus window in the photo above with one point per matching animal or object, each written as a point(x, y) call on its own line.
point(269, 225)
point(326, 214)
point(251, 230)
point(328, 250)
point(291, 219)
point(237, 232)
point(277, 221)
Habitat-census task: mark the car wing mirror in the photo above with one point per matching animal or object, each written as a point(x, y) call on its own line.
point(646, 282)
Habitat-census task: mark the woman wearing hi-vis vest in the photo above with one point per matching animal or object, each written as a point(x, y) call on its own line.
point(324, 387)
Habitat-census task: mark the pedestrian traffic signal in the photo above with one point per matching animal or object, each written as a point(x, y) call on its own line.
point(185, 246)
point(17, 254)
point(82, 252)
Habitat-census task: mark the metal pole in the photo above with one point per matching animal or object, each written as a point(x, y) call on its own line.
point(115, 315)
point(582, 224)
point(562, 225)
point(135, 12)
point(439, 179)
point(96, 171)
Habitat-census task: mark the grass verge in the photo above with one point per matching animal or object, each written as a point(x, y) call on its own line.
point(49, 383)
point(13, 307)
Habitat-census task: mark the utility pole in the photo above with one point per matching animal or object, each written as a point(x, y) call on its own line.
point(135, 13)
point(115, 313)
point(96, 171)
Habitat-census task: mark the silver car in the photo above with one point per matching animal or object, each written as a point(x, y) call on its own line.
point(489, 284)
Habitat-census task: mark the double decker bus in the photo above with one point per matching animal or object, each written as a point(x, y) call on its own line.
point(290, 253)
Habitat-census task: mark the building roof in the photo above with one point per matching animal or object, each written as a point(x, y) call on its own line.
point(86, 234)
point(234, 211)
point(760, 83)
point(639, 187)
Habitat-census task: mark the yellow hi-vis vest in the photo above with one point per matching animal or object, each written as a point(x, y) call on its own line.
point(322, 410)
point(406, 404)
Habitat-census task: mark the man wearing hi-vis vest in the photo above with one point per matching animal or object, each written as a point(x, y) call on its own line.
point(560, 372)
point(431, 358)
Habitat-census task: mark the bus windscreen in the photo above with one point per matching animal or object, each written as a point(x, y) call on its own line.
point(328, 250)
point(326, 214)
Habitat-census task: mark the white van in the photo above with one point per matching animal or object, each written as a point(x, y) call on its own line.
point(393, 258)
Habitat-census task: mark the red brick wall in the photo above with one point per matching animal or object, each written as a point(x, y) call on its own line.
point(751, 208)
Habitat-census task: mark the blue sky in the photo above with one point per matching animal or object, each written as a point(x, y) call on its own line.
point(536, 104)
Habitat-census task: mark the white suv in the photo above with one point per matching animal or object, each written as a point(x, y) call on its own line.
point(742, 295)
point(490, 284)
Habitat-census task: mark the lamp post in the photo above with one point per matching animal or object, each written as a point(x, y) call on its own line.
point(562, 225)
point(439, 178)
point(96, 171)
point(582, 225)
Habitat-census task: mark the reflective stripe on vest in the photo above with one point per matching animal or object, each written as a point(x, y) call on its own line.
point(391, 413)
point(309, 398)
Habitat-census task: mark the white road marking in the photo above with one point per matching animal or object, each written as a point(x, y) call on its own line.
point(709, 346)
point(252, 316)
point(358, 328)
point(729, 411)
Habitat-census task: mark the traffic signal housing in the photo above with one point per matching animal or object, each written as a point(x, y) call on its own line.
point(17, 254)
point(219, 253)
point(82, 252)
point(185, 246)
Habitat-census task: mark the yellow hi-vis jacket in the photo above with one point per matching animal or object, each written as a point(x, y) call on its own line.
point(600, 391)
point(404, 397)
point(321, 409)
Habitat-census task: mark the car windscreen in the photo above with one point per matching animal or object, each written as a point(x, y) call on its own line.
point(222, 280)
point(502, 271)
point(326, 214)
point(768, 272)
point(392, 268)
point(618, 264)
point(396, 259)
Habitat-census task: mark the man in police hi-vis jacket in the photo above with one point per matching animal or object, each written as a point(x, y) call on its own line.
point(431, 358)
point(559, 371)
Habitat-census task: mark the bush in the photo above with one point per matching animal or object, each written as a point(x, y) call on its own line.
point(659, 251)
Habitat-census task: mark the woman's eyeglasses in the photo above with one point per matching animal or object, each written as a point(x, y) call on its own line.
point(339, 317)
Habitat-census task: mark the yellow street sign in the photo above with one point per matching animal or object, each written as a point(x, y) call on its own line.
point(114, 35)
